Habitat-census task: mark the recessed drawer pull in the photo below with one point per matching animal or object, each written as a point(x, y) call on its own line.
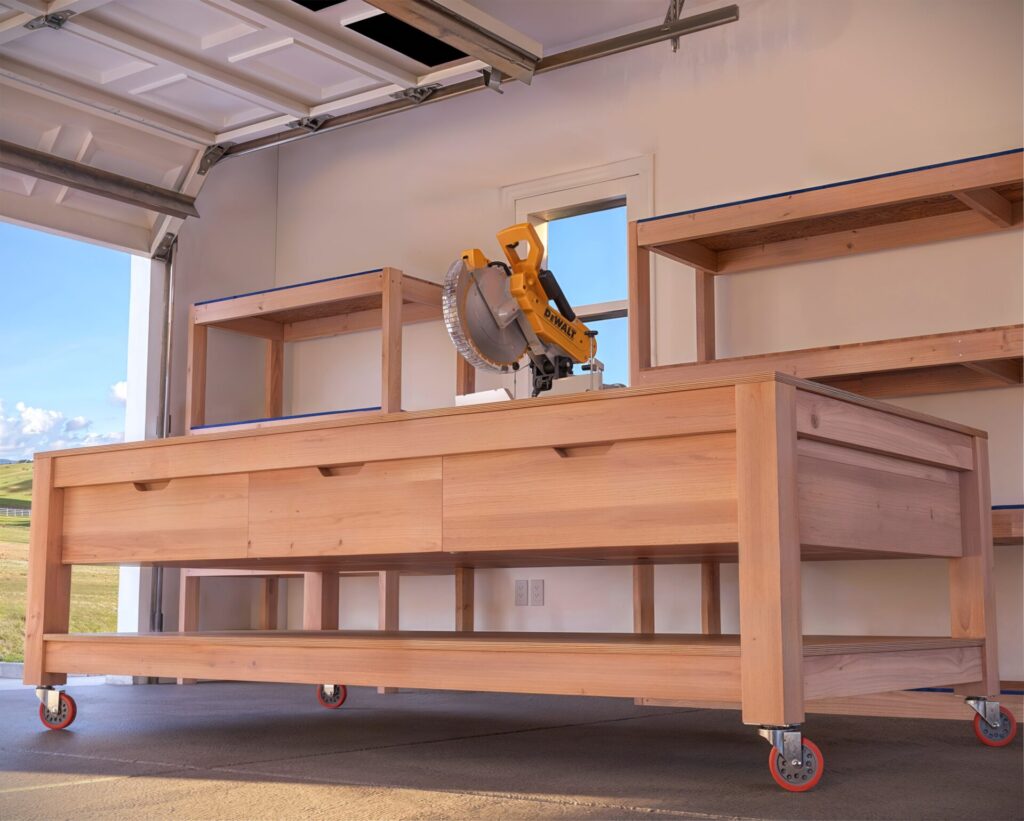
point(341, 470)
point(144, 487)
point(592, 449)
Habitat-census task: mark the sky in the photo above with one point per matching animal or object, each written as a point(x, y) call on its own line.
point(63, 342)
point(587, 254)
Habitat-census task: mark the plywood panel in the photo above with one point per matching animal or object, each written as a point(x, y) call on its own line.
point(875, 508)
point(833, 420)
point(596, 667)
point(176, 520)
point(679, 490)
point(860, 673)
point(590, 417)
point(374, 507)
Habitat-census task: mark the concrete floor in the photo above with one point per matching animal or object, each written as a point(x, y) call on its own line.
point(268, 751)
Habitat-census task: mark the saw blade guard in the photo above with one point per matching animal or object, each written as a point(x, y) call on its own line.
point(479, 314)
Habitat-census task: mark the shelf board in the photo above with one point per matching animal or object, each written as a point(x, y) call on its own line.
point(324, 307)
point(966, 197)
point(1008, 525)
point(624, 665)
point(653, 643)
point(935, 363)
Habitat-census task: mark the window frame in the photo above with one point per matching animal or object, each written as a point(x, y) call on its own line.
point(626, 182)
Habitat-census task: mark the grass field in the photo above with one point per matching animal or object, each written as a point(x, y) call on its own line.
point(93, 590)
point(16, 485)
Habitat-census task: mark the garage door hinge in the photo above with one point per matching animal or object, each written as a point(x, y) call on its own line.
point(308, 123)
point(53, 21)
point(210, 157)
point(163, 250)
point(419, 94)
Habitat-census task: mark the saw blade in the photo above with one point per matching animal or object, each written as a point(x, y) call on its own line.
point(470, 298)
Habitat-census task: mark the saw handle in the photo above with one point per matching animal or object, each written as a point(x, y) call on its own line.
point(554, 291)
point(510, 239)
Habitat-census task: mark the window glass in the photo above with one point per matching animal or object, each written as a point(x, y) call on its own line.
point(613, 348)
point(587, 254)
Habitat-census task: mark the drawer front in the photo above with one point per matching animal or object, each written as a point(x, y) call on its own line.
point(203, 517)
point(376, 507)
point(677, 490)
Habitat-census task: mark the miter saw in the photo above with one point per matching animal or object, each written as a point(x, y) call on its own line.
point(496, 313)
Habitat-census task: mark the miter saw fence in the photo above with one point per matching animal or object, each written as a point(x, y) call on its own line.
point(496, 313)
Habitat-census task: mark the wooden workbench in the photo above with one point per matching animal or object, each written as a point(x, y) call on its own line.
point(763, 469)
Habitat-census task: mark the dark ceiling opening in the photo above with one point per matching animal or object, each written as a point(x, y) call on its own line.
point(403, 38)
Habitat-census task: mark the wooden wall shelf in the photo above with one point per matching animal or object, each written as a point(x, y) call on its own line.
point(936, 363)
point(1008, 524)
point(382, 298)
point(967, 197)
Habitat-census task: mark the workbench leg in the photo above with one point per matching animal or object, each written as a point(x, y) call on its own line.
point(643, 598)
point(195, 379)
point(273, 379)
point(391, 341)
point(710, 598)
point(771, 651)
point(705, 299)
point(643, 602)
point(320, 601)
point(464, 602)
point(387, 609)
point(971, 595)
point(188, 609)
point(465, 376)
point(48, 604)
point(270, 592)
point(639, 309)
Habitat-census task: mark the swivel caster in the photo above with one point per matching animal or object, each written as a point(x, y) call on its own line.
point(331, 696)
point(56, 708)
point(796, 763)
point(994, 725)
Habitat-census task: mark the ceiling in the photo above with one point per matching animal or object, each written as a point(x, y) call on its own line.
point(142, 88)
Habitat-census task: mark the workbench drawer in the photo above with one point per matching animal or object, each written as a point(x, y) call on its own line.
point(666, 491)
point(197, 517)
point(372, 507)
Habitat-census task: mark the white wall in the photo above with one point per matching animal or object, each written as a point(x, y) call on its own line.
point(145, 322)
point(230, 249)
point(798, 93)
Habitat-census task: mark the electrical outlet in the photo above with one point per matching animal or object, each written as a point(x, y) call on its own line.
point(536, 592)
point(522, 592)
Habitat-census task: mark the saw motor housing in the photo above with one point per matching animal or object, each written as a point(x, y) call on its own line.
point(555, 338)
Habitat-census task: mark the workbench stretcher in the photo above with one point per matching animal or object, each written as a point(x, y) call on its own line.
point(765, 470)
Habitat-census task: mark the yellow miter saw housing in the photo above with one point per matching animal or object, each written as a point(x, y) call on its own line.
point(496, 312)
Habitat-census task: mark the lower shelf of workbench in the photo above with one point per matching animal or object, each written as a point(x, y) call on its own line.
point(662, 666)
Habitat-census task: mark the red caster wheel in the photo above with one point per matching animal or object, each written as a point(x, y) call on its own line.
point(62, 716)
point(996, 736)
point(332, 701)
point(798, 778)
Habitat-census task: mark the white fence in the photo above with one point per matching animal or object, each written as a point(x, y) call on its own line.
point(16, 511)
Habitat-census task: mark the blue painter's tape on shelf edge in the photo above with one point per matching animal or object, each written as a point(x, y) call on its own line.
point(833, 185)
point(289, 287)
point(283, 418)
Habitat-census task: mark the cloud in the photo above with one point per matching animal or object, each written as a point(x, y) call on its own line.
point(76, 423)
point(27, 430)
point(119, 392)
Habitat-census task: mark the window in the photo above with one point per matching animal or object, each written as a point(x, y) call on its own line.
point(587, 253)
point(582, 218)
